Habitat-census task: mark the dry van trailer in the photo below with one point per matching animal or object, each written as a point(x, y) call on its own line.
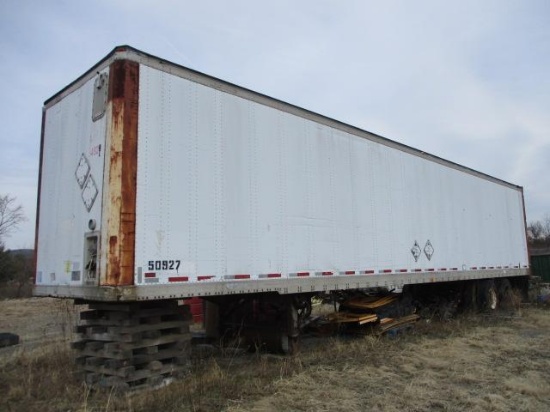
point(158, 182)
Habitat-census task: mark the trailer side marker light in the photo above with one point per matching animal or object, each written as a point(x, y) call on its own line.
point(178, 279)
point(204, 277)
point(150, 274)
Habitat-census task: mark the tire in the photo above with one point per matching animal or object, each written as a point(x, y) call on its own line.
point(487, 295)
point(8, 339)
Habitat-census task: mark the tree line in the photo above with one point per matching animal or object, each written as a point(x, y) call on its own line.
point(16, 267)
point(538, 233)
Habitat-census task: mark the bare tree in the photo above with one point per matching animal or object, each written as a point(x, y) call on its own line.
point(11, 215)
point(538, 232)
point(534, 230)
point(546, 228)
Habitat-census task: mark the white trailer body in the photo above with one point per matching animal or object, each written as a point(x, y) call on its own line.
point(157, 182)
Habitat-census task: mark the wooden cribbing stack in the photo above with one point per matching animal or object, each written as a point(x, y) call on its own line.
point(133, 345)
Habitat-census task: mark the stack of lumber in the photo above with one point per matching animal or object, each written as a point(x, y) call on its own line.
point(369, 302)
point(388, 324)
point(346, 317)
point(360, 310)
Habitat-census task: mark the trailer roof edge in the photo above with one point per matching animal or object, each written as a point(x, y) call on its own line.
point(126, 51)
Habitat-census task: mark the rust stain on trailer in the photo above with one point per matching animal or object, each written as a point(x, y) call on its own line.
point(122, 173)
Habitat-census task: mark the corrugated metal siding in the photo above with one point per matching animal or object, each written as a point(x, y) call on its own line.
point(541, 267)
point(228, 187)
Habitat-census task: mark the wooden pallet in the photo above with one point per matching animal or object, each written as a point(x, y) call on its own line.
point(132, 345)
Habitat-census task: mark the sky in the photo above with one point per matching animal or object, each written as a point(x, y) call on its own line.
point(465, 80)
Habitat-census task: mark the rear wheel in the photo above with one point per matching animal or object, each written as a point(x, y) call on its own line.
point(487, 295)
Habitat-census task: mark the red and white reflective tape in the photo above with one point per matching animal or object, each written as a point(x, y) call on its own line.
point(157, 277)
point(270, 276)
point(178, 278)
point(237, 277)
point(299, 274)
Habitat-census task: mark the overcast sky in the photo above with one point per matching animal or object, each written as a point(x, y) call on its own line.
point(466, 80)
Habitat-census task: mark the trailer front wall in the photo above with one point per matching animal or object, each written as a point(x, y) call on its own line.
point(228, 188)
point(71, 183)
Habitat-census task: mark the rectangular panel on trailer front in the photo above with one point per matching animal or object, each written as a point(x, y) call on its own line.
point(71, 186)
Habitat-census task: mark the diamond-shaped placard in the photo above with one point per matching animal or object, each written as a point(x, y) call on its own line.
point(416, 251)
point(82, 171)
point(89, 194)
point(429, 250)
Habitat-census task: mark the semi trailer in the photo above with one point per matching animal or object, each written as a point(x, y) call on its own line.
point(158, 183)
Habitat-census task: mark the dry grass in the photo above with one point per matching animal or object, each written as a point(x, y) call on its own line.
point(471, 363)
